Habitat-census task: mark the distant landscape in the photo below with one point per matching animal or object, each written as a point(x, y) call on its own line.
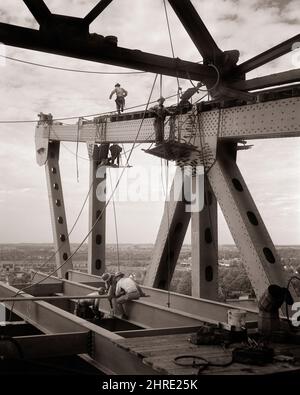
point(18, 260)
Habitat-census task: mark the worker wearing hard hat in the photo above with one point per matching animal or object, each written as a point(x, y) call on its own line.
point(85, 306)
point(121, 93)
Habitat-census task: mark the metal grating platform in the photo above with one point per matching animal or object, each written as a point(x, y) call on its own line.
point(172, 150)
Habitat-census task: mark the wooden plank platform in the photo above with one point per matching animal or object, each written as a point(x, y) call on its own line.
point(159, 352)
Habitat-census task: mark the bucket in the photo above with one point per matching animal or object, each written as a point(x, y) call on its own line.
point(237, 318)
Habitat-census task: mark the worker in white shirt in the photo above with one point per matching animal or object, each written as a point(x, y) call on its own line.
point(126, 289)
point(121, 93)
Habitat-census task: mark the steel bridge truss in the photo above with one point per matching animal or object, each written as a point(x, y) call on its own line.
point(213, 130)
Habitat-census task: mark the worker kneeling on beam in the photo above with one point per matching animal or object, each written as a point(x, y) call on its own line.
point(126, 289)
point(85, 307)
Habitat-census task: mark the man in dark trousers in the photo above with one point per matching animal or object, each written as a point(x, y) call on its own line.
point(160, 113)
point(115, 151)
point(121, 93)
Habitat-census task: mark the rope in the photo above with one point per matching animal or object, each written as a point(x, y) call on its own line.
point(72, 70)
point(98, 219)
point(77, 146)
point(170, 38)
point(54, 254)
point(84, 116)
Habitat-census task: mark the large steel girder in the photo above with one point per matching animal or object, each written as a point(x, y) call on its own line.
point(104, 352)
point(205, 247)
point(257, 250)
point(57, 211)
point(170, 236)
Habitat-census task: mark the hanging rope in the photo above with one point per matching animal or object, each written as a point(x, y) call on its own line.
point(72, 70)
point(168, 238)
point(98, 219)
point(77, 147)
point(171, 40)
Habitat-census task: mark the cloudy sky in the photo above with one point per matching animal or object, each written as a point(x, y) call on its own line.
point(271, 168)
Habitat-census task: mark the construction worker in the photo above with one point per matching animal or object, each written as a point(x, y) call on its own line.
point(160, 113)
point(121, 93)
point(84, 307)
point(126, 289)
point(115, 151)
point(110, 285)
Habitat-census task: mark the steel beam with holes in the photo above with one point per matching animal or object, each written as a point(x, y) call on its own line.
point(271, 119)
point(46, 346)
point(104, 353)
point(57, 210)
point(205, 248)
point(97, 211)
point(170, 236)
point(258, 253)
point(209, 309)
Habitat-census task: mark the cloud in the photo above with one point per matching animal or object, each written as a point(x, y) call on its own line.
point(251, 27)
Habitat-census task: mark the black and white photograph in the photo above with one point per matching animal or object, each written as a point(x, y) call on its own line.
point(150, 193)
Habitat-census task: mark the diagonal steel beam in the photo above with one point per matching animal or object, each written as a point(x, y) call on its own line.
point(38, 9)
point(267, 56)
point(96, 11)
point(196, 29)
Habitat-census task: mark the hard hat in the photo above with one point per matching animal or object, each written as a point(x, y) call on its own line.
point(106, 277)
point(117, 85)
point(161, 99)
point(101, 290)
point(119, 274)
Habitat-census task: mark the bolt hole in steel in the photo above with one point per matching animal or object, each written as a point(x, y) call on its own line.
point(60, 220)
point(65, 256)
point(252, 218)
point(98, 239)
point(238, 186)
point(55, 186)
point(98, 264)
point(209, 273)
point(53, 170)
point(58, 202)
point(62, 237)
point(269, 255)
point(208, 235)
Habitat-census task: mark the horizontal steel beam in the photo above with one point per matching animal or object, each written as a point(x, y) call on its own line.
point(286, 77)
point(271, 119)
point(51, 320)
point(267, 56)
point(49, 298)
point(96, 48)
point(42, 289)
point(206, 308)
point(46, 346)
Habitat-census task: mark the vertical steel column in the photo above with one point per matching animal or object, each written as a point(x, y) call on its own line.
point(57, 210)
point(257, 250)
point(96, 241)
point(205, 248)
point(170, 237)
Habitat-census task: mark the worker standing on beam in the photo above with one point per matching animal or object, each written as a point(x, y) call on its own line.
point(121, 93)
point(160, 113)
